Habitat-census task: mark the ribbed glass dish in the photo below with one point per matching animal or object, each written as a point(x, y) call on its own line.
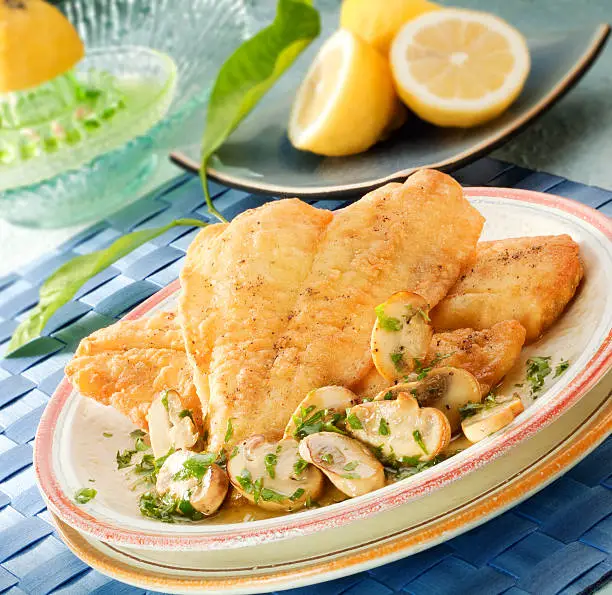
point(190, 40)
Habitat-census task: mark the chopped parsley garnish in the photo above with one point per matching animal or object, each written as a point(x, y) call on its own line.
point(234, 452)
point(268, 495)
point(351, 476)
point(538, 368)
point(419, 440)
point(321, 420)
point(351, 466)
point(84, 495)
point(229, 432)
point(383, 427)
point(299, 466)
point(423, 315)
point(245, 480)
point(398, 360)
point(186, 413)
point(166, 508)
point(387, 323)
point(328, 458)
point(561, 367)
point(297, 494)
point(107, 434)
point(471, 408)
point(196, 466)
point(164, 400)
point(270, 461)
point(137, 434)
point(124, 459)
point(422, 370)
point(388, 396)
point(257, 488)
point(354, 422)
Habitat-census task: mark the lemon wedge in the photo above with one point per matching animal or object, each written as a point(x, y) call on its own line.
point(346, 101)
point(378, 21)
point(37, 44)
point(457, 67)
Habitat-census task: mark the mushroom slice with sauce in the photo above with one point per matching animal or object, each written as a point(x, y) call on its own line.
point(491, 418)
point(320, 407)
point(273, 475)
point(348, 464)
point(401, 334)
point(447, 389)
point(193, 477)
point(170, 426)
point(400, 428)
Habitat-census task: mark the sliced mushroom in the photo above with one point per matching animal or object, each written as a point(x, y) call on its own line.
point(170, 427)
point(447, 389)
point(320, 406)
point(273, 475)
point(400, 428)
point(401, 335)
point(194, 477)
point(349, 465)
point(491, 418)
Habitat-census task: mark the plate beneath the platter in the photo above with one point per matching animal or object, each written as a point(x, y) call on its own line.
point(258, 156)
point(70, 448)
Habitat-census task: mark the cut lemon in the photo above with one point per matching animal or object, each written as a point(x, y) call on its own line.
point(377, 22)
point(37, 44)
point(347, 100)
point(457, 67)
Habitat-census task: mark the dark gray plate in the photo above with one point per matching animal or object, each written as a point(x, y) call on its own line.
point(259, 157)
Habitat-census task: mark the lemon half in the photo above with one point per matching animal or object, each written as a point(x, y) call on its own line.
point(457, 67)
point(346, 101)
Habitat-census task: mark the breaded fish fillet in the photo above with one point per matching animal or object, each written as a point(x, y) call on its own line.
point(282, 301)
point(489, 355)
point(129, 363)
point(526, 279)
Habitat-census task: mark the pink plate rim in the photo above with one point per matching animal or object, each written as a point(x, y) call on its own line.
point(232, 536)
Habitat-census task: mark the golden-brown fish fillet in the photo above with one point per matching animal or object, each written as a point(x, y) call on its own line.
point(526, 279)
point(126, 365)
point(282, 301)
point(489, 355)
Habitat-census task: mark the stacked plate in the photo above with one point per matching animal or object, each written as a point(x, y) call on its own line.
point(570, 418)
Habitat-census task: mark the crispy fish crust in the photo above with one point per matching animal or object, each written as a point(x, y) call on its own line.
point(282, 301)
point(127, 364)
point(488, 355)
point(526, 279)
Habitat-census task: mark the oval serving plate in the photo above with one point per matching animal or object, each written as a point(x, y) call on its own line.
point(70, 448)
point(258, 156)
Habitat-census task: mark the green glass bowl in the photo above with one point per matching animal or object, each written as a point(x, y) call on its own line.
point(178, 50)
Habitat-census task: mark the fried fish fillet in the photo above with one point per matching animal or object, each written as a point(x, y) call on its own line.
point(488, 354)
point(282, 301)
point(126, 365)
point(526, 279)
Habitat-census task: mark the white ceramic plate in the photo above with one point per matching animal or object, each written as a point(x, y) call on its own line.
point(70, 448)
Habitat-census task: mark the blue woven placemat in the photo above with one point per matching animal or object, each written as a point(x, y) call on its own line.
point(559, 541)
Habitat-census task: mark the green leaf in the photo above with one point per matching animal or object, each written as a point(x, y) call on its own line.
point(63, 284)
point(250, 71)
point(387, 323)
point(84, 495)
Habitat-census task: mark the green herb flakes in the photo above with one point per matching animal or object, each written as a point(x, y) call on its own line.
point(297, 494)
point(383, 427)
point(562, 366)
point(84, 495)
point(164, 400)
point(299, 467)
point(229, 432)
point(196, 466)
point(186, 413)
point(387, 323)
point(124, 459)
point(538, 368)
point(354, 422)
point(419, 440)
point(388, 396)
point(270, 461)
point(328, 458)
point(107, 434)
point(398, 360)
point(351, 466)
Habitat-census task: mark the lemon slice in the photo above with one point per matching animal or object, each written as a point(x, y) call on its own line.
point(458, 67)
point(37, 43)
point(377, 22)
point(346, 101)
